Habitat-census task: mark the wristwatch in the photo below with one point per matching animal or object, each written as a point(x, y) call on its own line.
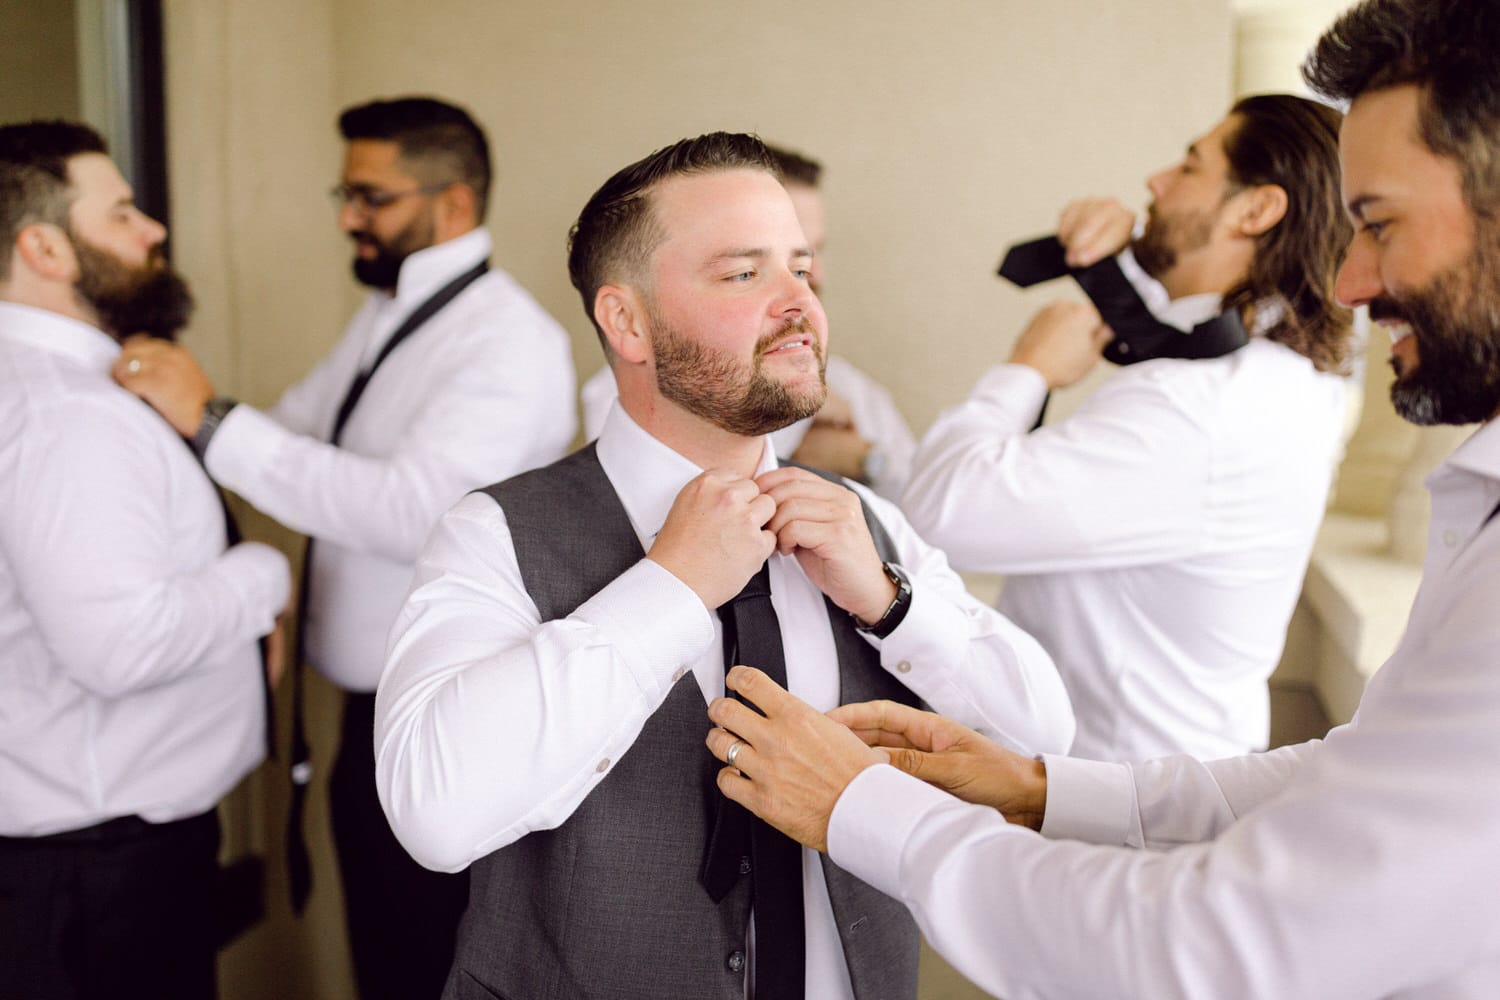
point(214, 412)
point(900, 605)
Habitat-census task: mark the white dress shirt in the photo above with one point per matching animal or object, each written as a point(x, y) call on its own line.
point(1154, 541)
point(129, 678)
point(490, 724)
point(481, 391)
point(1365, 865)
point(876, 418)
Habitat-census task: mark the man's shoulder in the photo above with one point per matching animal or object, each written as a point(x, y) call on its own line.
point(562, 482)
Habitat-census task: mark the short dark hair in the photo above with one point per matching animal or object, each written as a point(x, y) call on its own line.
point(617, 232)
point(796, 168)
point(1293, 142)
point(438, 141)
point(34, 182)
point(1447, 49)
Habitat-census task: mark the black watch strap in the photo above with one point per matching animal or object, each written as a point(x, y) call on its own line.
point(214, 412)
point(900, 605)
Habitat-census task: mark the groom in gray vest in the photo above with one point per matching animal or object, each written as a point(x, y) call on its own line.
point(539, 720)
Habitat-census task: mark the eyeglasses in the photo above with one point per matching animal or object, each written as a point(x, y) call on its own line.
point(367, 200)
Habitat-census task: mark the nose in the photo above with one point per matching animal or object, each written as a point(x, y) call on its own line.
point(1157, 182)
point(351, 216)
point(1358, 279)
point(794, 294)
point(154, 232)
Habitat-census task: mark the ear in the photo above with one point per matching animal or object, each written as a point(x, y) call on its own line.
point(1263, 206)
point(458, 211)
point(46, 250)
point(621, 315)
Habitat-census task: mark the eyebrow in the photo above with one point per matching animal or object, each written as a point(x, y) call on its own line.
point(1356, 207)
point(754, 253)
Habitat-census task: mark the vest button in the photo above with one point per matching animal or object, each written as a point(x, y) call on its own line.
point(736, 961)
point(744, 866)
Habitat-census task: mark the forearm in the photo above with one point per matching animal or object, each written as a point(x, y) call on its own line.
point(491, 724)
point(969, 662)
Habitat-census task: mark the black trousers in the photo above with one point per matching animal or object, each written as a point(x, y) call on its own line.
point(402, 918)
point(124, 909)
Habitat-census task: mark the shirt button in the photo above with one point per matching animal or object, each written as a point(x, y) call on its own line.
point(904, 667)
point(1450, 538)
point(678, 674)
point(603, 766)
point(736, 961)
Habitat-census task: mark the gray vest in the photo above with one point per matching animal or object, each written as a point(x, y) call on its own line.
point(608, 906)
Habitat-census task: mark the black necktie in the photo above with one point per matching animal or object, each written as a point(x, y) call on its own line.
point(1139, 335)
point(739, 844)
point(299, 864)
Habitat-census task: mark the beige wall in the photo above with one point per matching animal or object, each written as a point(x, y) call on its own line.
point(948, 129)
point(38, 61)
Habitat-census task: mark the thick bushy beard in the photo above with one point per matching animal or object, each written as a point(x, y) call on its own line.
point(382, 270)
point(1160, 243)
point(725, 391)
point(151, 299)
point(1456, 322)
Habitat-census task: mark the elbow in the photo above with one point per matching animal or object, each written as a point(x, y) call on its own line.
point(428, 829)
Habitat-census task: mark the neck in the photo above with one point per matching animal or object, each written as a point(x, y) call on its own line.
point(706, 445)
point(1202, 273)
point(53, 298)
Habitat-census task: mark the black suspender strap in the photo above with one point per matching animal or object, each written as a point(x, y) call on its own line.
point(298, 863)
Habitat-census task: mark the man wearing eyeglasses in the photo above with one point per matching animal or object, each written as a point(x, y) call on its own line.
point(449, 377)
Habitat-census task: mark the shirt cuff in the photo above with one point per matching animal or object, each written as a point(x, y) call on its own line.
point(1088, 800)
point(1019, 390)
point(261, 577)
point(657, 621)
point(246, 442)
point(873, 820)
point(933, 636)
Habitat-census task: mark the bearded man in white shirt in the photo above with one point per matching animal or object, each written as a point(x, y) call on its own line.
point(539, 718)
point(1362, 865)
point(366, 452)
point(1155, 541)
point(132, 689)
point(859, 432)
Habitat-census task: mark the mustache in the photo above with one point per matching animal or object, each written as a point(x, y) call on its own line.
point(798, 325)
point(1385, 307)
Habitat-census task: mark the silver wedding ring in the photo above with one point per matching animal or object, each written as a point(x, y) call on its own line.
point(133, 366)
point(733, 752)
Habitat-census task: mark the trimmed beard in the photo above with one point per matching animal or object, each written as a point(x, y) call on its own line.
point(382, 270)
point(728, 393)
point(1456, 321)
point(152, 299)
point(1160, 243)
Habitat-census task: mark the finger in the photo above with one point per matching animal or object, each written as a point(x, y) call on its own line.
point(788, 477)
point(811, 511)
point(762, 509)
point(759, 689)
point(880, 738)
point(738, 788)
point(898, 723)
point(721, 740)
point(913, 762)
point(1102, 336)
point(738, 719)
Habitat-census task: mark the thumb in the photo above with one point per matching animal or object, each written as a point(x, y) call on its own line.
point(913, 762)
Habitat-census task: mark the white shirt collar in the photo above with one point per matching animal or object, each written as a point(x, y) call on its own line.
point(427, 270)
point(1478, 455)
point(646, 473)
point(88, 346)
